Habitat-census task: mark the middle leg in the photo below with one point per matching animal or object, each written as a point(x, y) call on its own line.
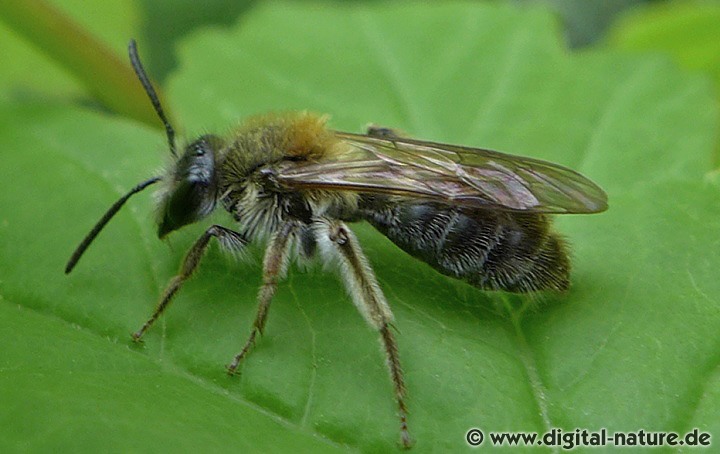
point(274, 267)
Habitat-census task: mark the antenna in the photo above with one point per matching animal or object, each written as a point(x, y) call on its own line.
point(80, 250)
point(112, 211)
point(145, 81)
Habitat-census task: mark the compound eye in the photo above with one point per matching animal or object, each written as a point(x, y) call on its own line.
point(192, 194)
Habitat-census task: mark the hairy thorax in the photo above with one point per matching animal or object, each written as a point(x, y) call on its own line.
point(247, 166)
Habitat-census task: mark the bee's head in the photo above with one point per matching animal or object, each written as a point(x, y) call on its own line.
point(190, 186)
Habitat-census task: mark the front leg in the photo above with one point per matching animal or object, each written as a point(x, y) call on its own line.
point(274, 267)
point(338, 242)
point(229, 239)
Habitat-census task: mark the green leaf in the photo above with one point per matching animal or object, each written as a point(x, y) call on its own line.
point(632, 345)
point(86, 393)
point(168, 21)
point(78, 51)
point(33, 74)
point(585, 22)
point(33, 69)
point(687, 31)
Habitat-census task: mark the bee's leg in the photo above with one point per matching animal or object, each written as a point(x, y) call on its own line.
point(228, 238)
point(339, 242)
point(275, 265)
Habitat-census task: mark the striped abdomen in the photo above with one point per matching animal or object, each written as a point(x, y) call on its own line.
point(490, 249)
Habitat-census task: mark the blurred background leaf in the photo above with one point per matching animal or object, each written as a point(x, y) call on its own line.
point(586, 21)
point(687, 31)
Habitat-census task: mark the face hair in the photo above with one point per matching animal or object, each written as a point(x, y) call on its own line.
point(80, 250)
point(145, 81)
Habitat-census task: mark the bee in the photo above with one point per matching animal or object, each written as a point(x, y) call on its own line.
point(473, 214)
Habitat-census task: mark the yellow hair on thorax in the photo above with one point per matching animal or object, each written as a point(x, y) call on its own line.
point(296, 134)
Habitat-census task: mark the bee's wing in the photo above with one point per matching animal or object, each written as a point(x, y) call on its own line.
point(447, 173)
